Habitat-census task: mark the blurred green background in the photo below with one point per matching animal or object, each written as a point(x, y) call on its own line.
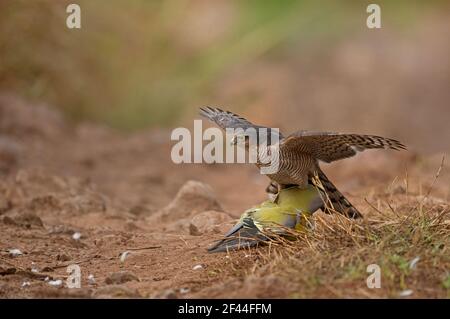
point(295, 64)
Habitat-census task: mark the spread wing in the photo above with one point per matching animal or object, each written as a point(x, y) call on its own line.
point(329, 147)
point(227, 119)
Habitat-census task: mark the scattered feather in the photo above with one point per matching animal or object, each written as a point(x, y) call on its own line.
point(413, 263)
point(124, 256)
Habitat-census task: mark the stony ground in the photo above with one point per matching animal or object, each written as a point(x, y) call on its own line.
point(138, 225)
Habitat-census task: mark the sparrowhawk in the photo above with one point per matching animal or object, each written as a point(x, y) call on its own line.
point(300, 153)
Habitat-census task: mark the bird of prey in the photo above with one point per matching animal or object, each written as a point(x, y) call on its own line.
point(293, 210)
point(300, 154)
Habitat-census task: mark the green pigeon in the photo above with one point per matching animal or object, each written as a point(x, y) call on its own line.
point(291, 209)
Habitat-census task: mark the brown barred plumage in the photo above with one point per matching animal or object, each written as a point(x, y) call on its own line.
point(301, 152)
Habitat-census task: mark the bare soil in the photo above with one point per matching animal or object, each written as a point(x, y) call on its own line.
point(122, 193)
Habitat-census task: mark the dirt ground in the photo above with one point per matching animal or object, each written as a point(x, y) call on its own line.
point(121, 193)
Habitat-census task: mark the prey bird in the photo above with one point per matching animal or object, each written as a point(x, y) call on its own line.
point(300, 154)
point(292, 211)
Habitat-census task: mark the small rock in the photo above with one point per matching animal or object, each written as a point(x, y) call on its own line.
point(56, 283)
point(91, 279)
point(197, 267)
point(406, 293)
point(120, 278)
point(76, 236)
point(15, 252)
point(184, 290)
point(193, 197)
point(208, 222)
point(26, 284)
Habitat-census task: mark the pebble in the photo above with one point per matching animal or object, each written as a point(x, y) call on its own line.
point(406, 293)
point(184, 290)
point(15, 252)
point(76, 236)
point(197, 267)
point(55, 283)
point(34, 269)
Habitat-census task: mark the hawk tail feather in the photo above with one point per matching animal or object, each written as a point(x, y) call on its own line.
point(335, 201)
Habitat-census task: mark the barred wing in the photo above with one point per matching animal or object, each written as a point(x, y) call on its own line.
point(330, 147)
point(226, 119)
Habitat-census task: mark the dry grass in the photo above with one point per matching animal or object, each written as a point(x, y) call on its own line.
point(406, 234)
